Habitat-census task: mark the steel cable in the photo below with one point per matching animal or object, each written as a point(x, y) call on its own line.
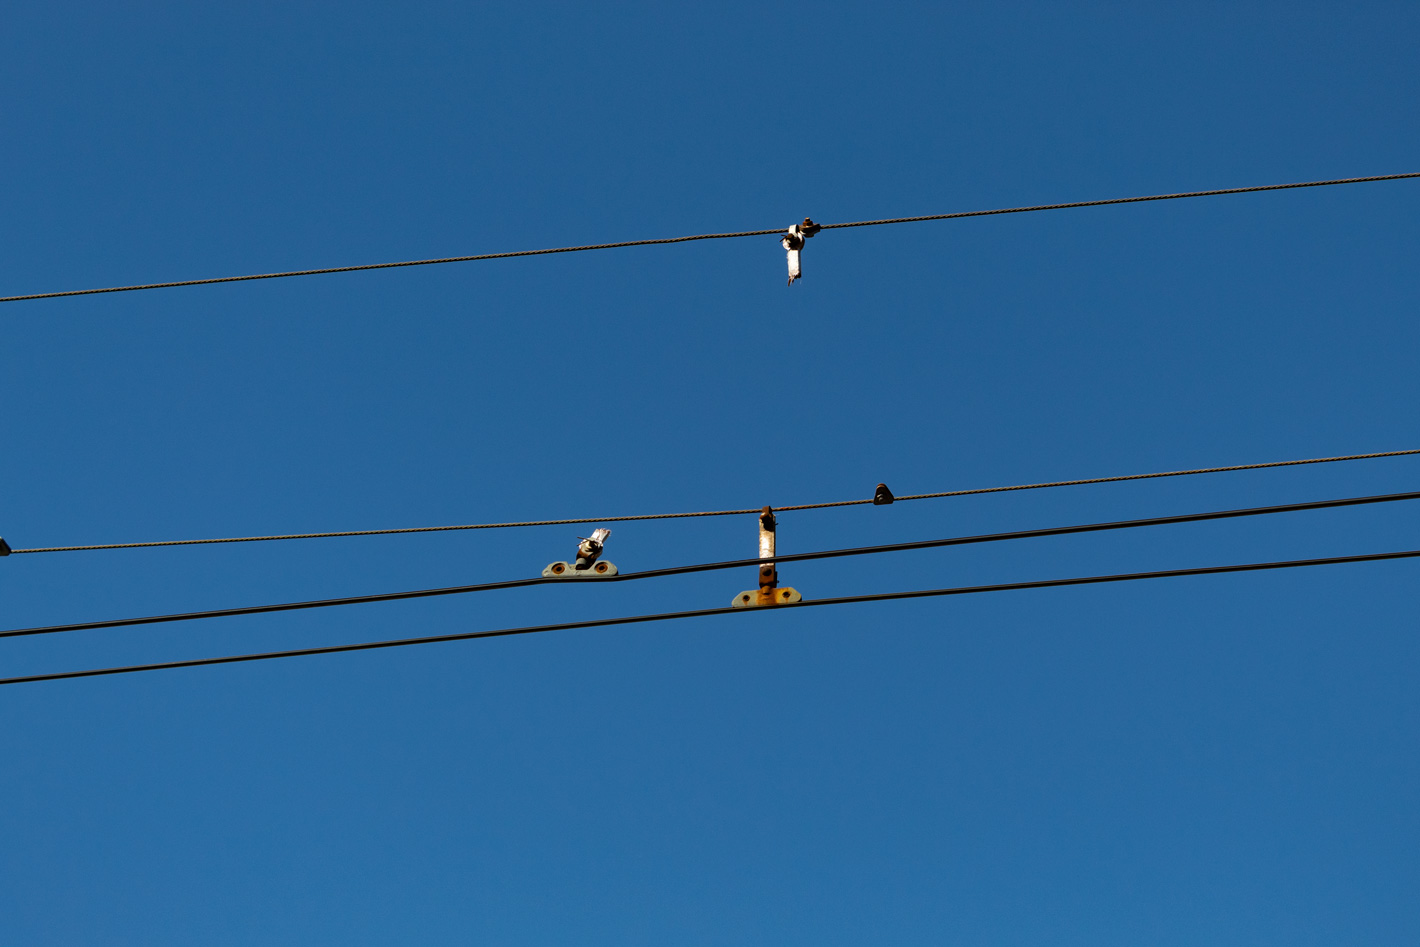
point(740, 512)
point(710, 236)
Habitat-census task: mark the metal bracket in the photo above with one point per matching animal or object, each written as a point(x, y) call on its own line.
point(768, 592)
point(756, 597)
point(4, 547)
point(587, 565)
point(575, 570)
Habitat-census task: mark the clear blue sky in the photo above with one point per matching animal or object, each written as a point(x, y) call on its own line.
point(1223, 761)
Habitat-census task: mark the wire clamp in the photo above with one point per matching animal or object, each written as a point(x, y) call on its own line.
point(793, 242)
point(769, 592)
point(883, 496)
point(587, 565)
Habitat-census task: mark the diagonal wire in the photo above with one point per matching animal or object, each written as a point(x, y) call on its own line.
point(671, 516)
point(387, 266)
point(705, 612)
point(717, 566)
point(1122, 200)
point(712, 236)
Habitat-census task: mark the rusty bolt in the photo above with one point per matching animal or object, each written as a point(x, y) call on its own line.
point(766, 518)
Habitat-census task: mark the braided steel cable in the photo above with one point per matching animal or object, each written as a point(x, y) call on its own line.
point(741, 512)
point(388, 266)
point(1122, 200)
point(1167, 473)
point(776, 231)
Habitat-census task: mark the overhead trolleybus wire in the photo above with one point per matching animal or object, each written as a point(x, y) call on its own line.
point(706, 612)
point(717, 566)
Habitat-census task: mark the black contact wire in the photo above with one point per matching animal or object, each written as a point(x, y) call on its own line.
point(716, 566)
point(706, 612)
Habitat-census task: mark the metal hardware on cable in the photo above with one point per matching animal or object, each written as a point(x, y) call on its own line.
point(586, 566)
point(793, 242)
point(769, 592)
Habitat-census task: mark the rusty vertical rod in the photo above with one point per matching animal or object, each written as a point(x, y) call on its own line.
point(768, 573)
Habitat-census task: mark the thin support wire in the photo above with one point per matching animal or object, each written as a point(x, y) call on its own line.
point(709, 236)
point(741, 512)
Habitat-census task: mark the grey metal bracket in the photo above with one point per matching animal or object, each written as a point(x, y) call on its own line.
point(569, 570)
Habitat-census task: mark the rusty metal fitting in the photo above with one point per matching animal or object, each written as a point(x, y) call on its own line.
point(768, 578)
point(769, 592)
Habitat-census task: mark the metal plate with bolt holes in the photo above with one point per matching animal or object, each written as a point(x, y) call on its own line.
point(564, 570)
point(750, 599)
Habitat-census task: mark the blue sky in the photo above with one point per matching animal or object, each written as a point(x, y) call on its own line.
point(1225, 760)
